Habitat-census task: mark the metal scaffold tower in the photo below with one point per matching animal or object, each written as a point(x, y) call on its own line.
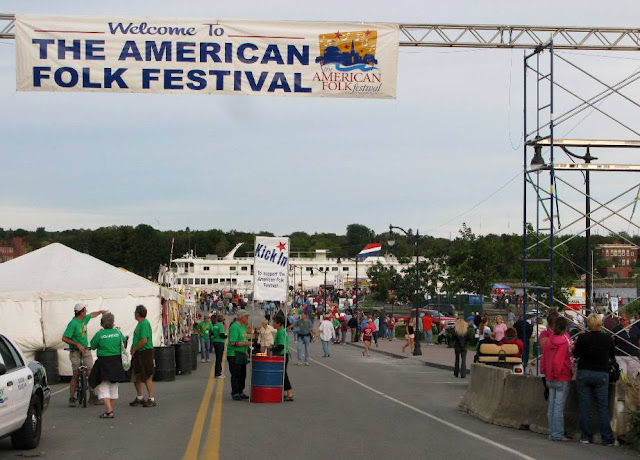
point(549, 160)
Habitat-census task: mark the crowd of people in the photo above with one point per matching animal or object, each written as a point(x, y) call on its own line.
point(571, 348)
point(591, 351)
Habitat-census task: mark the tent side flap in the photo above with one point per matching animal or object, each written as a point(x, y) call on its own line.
point(21, 322)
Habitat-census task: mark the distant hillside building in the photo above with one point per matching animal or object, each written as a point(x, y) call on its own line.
point(623, 256)
point(11, 250)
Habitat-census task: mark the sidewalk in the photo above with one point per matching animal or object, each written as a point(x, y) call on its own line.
point(439, 356)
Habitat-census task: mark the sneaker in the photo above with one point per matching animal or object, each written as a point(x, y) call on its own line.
point(307, 363)
point(208, 360)
point(236, 397)
point(611, 444)
point(149, 403)
point(72, 402)
point(220, 376)
point(243, 396)
point(584, 441)
point(202, 360)
point(137, 402)
point(298, 363)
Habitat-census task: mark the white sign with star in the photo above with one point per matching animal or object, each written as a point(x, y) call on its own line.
point(271, 268)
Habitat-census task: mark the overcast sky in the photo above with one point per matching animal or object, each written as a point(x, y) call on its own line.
point(450, 140)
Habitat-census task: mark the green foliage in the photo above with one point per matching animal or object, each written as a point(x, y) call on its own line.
point(472, 263)
point(632, 307)
point(358, 236)
point(383, 280)
point(468, 263)
point(632, 411)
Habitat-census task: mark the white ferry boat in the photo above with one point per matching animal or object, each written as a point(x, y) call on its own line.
point(236, 273)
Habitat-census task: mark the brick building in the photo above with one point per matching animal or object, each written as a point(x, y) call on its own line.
point(623, 256)
point(11, 250)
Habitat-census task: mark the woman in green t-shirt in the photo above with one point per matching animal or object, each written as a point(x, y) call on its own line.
point(108, 370)
point(281, 348)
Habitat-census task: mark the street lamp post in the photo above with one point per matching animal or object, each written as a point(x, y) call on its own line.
point(356, 282)
point(417, 350)
point(324, 310)
point(294, 282)
point(589, 263)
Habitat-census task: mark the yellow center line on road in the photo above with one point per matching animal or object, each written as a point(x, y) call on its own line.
point(196, 434)
point(212, 446)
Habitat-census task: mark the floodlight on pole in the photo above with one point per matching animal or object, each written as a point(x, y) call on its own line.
point(537, 161)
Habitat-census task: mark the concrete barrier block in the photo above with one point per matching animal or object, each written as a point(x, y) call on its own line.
point(523, 406)
point(622, 399)
point(485, 392)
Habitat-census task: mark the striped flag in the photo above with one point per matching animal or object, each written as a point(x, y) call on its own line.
point(370, 250)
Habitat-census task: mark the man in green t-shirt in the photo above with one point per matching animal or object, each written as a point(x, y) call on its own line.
point(142, 366)
point(237, 354)
point(281, 348)
point(219, 334)
point(75, 335)
point(204, 330)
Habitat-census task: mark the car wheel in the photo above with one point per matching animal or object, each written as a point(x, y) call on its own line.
point(28, 437)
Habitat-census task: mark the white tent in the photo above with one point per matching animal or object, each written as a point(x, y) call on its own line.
point(38, 292)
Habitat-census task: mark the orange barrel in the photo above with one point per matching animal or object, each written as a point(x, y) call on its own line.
point(267, 377)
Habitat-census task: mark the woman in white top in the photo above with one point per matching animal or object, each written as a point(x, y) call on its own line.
point(484, 331)
point(265, 337)
point(327, 334)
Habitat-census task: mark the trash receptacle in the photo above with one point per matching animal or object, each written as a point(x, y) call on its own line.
point(184, 357)
point(165, 361)
point(267, 378)
point(195, 347)
point(49, 360)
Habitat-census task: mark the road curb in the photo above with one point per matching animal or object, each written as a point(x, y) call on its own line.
point(388, 353)
point(445, 367)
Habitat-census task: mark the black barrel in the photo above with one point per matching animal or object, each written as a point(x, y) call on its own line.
point(49, 360)
point(195, 343)
point(165, 358)
point(183, 358)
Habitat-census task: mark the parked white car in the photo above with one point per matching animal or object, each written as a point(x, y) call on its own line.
point(24, 396)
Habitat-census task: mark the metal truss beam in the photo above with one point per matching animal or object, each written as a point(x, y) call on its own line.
point(594, 167)
point(603, 143)
point(489, 36)
point(7, 23)
point(520, 37)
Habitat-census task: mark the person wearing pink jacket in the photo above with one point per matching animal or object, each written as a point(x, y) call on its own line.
point(558, 371)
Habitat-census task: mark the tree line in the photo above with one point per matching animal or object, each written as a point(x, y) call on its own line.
point(469, 262)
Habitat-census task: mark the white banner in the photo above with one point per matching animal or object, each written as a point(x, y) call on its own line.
point(271, 269)
point(156, 55)
point(339, 282)
point(613, 301)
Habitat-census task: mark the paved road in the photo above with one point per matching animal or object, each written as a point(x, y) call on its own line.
point(346, 406)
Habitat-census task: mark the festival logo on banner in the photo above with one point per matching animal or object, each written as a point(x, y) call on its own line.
point(348, 61)
point(270, 268)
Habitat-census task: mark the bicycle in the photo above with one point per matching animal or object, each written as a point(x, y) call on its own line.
point(82, 385)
